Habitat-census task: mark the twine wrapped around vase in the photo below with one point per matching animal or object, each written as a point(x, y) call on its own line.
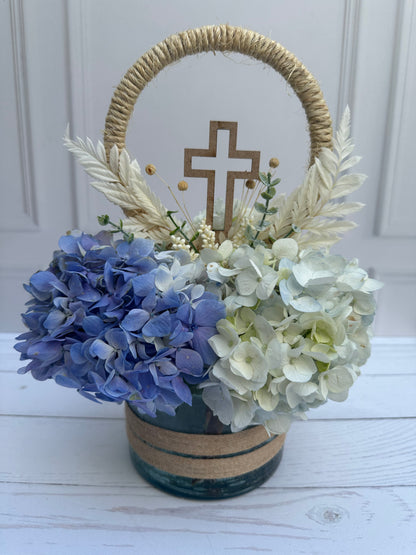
point(201, 456)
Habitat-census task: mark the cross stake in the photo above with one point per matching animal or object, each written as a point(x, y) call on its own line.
point(211, 152)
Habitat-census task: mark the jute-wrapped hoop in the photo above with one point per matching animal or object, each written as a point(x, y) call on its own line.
point(223, 38)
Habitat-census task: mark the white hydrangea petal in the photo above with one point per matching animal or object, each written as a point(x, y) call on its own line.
point(371, 285)
point(298, 392)
point(266, 399)
point(218, 399)
point(285, 248)
point(285, 294)
point(248, 361)
point(339, 397)
point(339, 379)
point(210, 255)
point(277, 355)
point(246, 282)
point(306, 304)
point(243, 413)
point(197, 291)
point(364, 303)
point(293, 286)
point(227, 271)
point(224, 343)
point(352, 279)
point(279, 424)
point(221, 370)
point(264, 329)
point(163, 278)
point(266, 286)
point(323, 386)
point(300, 370)
point(225, 249)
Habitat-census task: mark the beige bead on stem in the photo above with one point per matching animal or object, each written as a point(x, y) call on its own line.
point(150, 169)
point(183, 186)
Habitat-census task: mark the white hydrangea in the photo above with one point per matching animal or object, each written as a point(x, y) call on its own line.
point(296, 332)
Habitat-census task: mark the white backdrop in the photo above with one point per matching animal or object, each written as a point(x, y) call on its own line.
point(60, 62)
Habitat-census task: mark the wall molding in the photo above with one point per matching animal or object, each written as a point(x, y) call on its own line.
point(78, 88)
point(17, 26)
point(399, 98)
point(348, 67)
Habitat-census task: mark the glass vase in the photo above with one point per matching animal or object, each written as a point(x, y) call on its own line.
point(192, 454)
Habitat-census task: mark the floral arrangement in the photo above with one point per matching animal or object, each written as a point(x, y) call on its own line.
point(265, 322)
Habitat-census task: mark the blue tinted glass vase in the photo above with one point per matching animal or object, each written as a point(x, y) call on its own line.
point(194, 455)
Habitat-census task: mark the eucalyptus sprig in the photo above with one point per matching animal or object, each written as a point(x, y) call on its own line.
point(179, 229)
point(104, 219)
point(263, 208)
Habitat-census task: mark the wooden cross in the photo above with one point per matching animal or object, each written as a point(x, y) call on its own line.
point(211, 152)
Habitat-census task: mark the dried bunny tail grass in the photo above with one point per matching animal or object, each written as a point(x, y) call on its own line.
point(310, 207)
point(121, 181)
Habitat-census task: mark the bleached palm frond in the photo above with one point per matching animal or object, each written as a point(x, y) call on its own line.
point(311, 207)
point(121, 181)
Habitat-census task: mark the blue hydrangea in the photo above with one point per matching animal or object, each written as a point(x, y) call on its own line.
point(119, 321)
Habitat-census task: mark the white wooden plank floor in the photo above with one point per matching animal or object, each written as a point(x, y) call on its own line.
point(346, 484)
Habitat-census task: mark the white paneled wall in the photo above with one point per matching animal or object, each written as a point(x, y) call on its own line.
point(61, 60)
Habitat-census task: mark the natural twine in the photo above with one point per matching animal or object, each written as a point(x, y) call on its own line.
point(201, 456)
point(223, 38)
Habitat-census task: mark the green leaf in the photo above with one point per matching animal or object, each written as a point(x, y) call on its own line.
point(260, 207)
point(262, 226)
point(264, 179)
point(275, 182)
point(258, 242)
point(272, 210)
point(267, 195)
point(249, 233)
point(170, 212)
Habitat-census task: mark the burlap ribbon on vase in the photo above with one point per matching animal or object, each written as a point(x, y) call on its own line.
point(201, 456)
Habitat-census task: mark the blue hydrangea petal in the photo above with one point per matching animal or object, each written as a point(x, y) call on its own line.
point(93, 325)
point(200, 344)
point(117, 339)
point(158, 326)
point(64, 379)
point(43, 281)
point(189, 362)
point(207, 313)
point(169, 300)
point(185, 313)
point(54, 320)
point(167, 368)
point(69, 244)
point(101, 349)
point(46, 351)
point(90, 295)
point(180, 335)
point(143, 285)
point(135, 319)
point(150, 301)
point(182, 390)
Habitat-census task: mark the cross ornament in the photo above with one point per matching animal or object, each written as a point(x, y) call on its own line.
point(211, 152)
